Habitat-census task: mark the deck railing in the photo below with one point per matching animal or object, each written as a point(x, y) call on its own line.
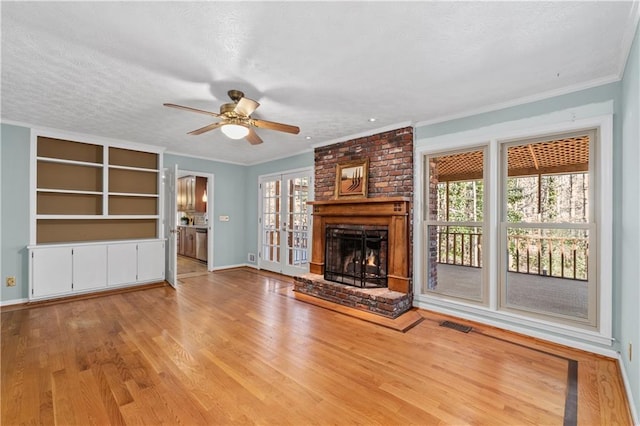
point(460, 248)
point(557, 257)
point(560, 257)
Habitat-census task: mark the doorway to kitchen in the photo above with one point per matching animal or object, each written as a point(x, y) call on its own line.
point(285, 222)
point(194, 205)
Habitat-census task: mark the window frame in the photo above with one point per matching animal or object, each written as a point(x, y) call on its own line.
point(485, 292)
point(598, 116)
point(591, 322)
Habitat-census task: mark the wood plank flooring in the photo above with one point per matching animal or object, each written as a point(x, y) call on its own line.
point(188, 265)
point(230, 347)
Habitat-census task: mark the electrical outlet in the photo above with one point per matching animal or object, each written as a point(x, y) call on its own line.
point(630, 351)
point(11, 281)
point(251, 257)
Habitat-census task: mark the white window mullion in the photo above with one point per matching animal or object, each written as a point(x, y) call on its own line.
point(492, 219)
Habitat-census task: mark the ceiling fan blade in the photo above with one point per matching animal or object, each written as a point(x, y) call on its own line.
point(246, 106)
point(264, 124)
point(206, 128)
point(201, 111)
point(253, 137)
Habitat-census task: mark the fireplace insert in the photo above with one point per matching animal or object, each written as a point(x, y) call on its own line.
point(356, 255)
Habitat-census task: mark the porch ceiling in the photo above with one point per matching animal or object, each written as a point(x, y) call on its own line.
point(567, 155)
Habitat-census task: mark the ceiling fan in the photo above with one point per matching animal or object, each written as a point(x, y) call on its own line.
point(236, 119)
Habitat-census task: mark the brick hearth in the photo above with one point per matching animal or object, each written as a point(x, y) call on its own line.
point(381, 301)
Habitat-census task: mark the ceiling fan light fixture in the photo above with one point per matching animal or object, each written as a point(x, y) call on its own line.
point(235, 131)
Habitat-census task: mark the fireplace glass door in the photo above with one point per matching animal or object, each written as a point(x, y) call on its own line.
point(356, 255)
point(285, 223)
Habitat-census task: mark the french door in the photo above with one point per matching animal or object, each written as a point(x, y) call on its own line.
point(170, 225)
point(285, 222)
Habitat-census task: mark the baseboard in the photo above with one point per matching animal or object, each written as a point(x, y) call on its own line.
point(627, 388)
point(239, 265)
point(13, 302)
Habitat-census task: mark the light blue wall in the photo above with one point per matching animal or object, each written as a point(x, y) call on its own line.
point(630, 224)
point(545, 106)
point(229, 195)
point(251, 199)
point(15, 209)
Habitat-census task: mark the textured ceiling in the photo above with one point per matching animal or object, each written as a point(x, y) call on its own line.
point(106, 68)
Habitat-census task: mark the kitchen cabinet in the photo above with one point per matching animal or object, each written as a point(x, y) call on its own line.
point(192, 242)
point(199, 191)
point(181, 196)
point(189, 242)
point(190, 192)
point(183, 240)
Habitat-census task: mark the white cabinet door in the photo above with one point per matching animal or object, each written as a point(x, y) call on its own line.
point(89, 267)
point(51, 271)
point(122, 264)
point(151, 261)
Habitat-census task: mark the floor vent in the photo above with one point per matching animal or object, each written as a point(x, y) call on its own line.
point(456, 326)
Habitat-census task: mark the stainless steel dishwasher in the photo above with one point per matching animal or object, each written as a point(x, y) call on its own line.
point(201, 244)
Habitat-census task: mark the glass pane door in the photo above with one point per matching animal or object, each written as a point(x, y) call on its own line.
point(270, 238)
point(285, 223)
point(297, 225)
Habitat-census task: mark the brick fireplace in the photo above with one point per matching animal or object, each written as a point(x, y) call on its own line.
point(386, 212)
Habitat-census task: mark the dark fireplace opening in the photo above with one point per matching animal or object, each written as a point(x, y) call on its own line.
point(356, 255)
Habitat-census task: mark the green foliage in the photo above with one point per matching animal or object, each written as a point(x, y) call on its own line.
point(465, 202)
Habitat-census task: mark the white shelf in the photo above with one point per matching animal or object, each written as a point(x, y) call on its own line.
point(68, 191)
point(133, 194)
point(96, 216)
point(131, 216)
point(88, 185)
point(135, 169)
point(70, 162)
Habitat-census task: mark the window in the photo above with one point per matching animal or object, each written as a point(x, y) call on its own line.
point(454, 225)
point(517, 230)
point(547, 230)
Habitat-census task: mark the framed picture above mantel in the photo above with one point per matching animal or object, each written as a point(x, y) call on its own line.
point(352, 178)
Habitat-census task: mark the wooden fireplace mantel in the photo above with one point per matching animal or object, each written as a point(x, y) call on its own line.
point(392, 212)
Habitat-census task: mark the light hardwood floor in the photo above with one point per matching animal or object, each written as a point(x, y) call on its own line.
point(233, 347)
point(188, 265)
